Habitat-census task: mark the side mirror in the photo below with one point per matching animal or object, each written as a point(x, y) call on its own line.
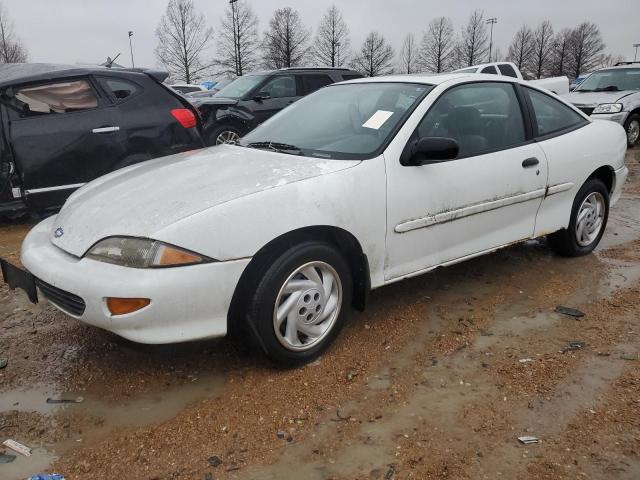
point(430, 150)
point(262, 96)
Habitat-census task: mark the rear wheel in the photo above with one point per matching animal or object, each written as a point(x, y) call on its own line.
point(589, 217)
point(222, 135)
point(632, 126)
point(300, 303)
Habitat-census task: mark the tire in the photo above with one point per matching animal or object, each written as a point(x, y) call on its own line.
point(309, 303)
point(632, 127)
point(213, 137)
point(566, 242)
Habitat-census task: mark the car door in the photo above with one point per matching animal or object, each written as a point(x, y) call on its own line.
point(63, 134)
point(277, 93)
point(486, 198)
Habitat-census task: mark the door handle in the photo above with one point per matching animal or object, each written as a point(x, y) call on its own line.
point(105, 129)
point(530, 162)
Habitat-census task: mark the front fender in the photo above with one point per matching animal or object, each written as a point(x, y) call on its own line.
point(353, 199)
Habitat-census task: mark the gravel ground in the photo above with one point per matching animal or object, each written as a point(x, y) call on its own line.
point(436, 380)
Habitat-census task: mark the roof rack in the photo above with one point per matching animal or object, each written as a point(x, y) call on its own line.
point(316, 68)
point(624, 63)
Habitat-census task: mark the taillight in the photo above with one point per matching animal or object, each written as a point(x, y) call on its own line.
point(185, 117)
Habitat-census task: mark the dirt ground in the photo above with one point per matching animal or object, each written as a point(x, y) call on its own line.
point(438, 379)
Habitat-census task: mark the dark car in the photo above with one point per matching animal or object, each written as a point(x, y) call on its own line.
point(251, 99)
point(63, 126)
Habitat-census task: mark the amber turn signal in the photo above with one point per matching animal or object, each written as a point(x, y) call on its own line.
point(169, 256)
point(122, 306)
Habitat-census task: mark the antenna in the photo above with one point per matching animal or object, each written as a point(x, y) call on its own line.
point(110, 61)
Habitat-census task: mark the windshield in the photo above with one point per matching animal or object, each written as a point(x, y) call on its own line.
point(241, 86)
point(611, 80)
point(348, 121)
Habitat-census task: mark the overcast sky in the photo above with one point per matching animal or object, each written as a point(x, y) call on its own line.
point(86, 31)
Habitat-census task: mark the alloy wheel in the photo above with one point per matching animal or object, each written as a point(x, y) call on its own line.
point(307, 306)
point(590, 219)
point(633, 132)
point(227, 136)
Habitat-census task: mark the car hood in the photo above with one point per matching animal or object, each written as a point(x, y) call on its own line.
point(140, 200)
point(595, 98)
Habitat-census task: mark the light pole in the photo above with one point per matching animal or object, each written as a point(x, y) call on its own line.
point(635, 57)
point(336, 62)
point(133, 65)
point(492, 22)
point(236, 34)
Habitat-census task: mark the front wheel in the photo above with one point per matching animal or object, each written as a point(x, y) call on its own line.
point(589, 217)
point(300, 303)
point(632, 126)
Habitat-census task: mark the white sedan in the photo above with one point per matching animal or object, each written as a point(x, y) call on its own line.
point(356, 186)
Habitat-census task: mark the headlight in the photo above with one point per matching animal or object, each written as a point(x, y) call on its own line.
point(608, 108)
point(142, 253)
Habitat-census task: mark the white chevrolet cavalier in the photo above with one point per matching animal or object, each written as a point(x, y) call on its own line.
point(357, 186)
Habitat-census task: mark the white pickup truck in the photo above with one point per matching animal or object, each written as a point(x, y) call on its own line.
point(558, 85)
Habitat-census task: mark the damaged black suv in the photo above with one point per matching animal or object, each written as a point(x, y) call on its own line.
point(251, 99)
point(63, 126)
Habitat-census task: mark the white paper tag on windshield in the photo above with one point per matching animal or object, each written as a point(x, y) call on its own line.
point(378, 119)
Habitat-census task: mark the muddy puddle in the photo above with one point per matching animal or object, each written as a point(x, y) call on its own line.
point(98, 417)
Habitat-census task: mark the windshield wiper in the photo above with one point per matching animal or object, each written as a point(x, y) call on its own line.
point(276, 147)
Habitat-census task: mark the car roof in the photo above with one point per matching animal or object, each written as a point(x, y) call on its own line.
point(13, 73)
point(431, 79)
point(304, 70)
point(622, 66)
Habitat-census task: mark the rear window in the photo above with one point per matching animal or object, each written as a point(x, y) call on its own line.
point(507, 70)
point(551, 115)
point(55, 98)
point(120, 89)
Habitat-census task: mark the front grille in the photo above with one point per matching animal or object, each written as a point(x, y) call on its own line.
point(587, 110)
point(66, 301)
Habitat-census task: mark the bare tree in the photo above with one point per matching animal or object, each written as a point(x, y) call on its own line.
point(332, 41)
point(521, 47)
point(409, 55)
point(285, 42)
point(11, 48)
point(473, 43)
point(542, 50)
point(609, 60)
point(375, 56)
point(585, 49)
point(237, 40)
point(438, 44)
point(183, 38)
point(561, 44)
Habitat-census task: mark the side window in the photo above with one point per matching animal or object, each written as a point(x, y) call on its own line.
point(52, 98)
point(490, 69)
point(552, 115)
point(120, 89)
point(281, 86)
point(313, 82)
point(507, 70)
point(481, 117)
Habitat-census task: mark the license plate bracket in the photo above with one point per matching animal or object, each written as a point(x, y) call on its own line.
point(16, 277)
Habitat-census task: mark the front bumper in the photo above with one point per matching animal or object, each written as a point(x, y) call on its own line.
point(187, 303)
